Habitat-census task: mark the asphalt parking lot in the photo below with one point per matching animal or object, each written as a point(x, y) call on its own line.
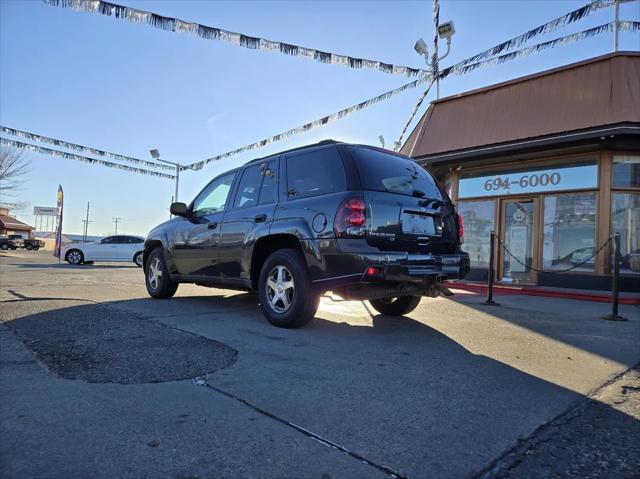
point(98, 380)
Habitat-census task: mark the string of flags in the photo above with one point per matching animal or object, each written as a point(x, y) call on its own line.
point(205, 32)
point(398, 143)
point(461, 68)
point(72, 156)
point(308, 126)
point(83, 149)
point(488, 57)
point(548, 27)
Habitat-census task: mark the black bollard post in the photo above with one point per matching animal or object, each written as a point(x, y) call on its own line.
point(492, 252)
point(615, 282)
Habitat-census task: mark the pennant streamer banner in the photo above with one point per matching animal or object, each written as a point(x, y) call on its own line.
point(461, 68)
point(176, 25)
point(71, 156)
point(83, 149)
point(549, 27)
point(398, 143)
point(308, 126)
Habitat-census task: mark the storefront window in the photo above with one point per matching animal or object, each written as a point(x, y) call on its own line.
point(569, 231)
point(625, 219)
point(477, 217)
point(626, 171)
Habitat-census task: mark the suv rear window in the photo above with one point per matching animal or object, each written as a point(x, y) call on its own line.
point(315, 173)
point(385, 172)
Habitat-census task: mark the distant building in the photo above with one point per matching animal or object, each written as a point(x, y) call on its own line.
point(9, 225)
point(551, 163)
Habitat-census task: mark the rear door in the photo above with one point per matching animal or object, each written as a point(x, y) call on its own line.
point(102, 250)
point(248, 217)
point(407, 211)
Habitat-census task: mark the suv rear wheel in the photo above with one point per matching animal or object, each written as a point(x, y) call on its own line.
point(396, 306)
point(286, 296)
point(156, 276)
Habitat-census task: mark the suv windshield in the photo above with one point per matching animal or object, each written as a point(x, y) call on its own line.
point(386, 172)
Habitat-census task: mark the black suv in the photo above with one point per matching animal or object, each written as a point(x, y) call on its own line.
point(362, 222)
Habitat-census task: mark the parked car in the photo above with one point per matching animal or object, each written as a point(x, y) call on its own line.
point(17, 240)
point(363, 222)
point(112, 248)
point(6, 243)
point(32, 244)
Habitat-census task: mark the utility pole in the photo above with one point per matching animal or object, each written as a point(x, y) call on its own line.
point(116, 221)
point(86, 225)
point(616, 14)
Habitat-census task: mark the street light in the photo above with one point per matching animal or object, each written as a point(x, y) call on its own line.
point(155, 154)
point(445, 32)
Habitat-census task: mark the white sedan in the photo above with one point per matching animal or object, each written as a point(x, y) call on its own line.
point(111, 248)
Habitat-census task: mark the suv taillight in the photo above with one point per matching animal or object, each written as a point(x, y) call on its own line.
point(350, 219)
point(460, 230)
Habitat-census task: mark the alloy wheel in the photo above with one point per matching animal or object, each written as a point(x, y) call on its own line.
point(74, 257)
point(155, 274)
point(280, 289)
point(138, 259)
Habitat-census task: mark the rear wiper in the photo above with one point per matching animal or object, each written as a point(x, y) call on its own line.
point(418, 193)
point(431, 203)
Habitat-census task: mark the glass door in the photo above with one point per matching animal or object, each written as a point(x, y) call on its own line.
point(518, 235)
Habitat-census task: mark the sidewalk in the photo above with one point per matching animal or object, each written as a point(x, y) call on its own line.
point(549, 292)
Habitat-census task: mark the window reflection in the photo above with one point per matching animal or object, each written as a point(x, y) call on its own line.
point(626, 171)
point(625, 219)
point(477, 217)
point(569, 231)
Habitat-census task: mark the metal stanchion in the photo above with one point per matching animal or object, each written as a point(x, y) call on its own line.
point(615, 283)
point(492, 251)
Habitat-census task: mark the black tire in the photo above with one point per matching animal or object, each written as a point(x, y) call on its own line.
point(74, 256)
point(396, 306)
point(137, 259)
point(28, 247)
point(4, 246)
point(295, 305)
point(163, 287)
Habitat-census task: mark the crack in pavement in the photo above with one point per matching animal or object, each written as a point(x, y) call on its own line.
point(387, 470)
point(544, 433)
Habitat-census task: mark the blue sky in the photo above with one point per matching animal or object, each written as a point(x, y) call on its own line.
point(126, 88)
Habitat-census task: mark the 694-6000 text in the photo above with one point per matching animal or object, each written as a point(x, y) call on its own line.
point(524, 181)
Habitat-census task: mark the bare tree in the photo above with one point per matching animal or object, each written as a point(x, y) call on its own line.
point(14, 166)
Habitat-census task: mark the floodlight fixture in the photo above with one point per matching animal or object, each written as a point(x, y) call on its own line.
point(421, 47)
point(155, 154)
point(446, 30)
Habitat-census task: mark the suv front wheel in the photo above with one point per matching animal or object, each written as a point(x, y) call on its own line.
point(396, 306)
point(286, 296)
point(156, 274)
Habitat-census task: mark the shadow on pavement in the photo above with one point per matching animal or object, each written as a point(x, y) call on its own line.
point(65, 265)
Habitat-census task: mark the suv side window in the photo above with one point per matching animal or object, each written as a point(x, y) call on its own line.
point(257, 186)
point(269, 186)
point(249, 188)
point(315, 173)
point(213, 198)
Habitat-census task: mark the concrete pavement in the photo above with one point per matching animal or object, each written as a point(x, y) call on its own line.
point(444, 392)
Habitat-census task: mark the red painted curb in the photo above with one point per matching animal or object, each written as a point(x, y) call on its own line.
point(498, 290)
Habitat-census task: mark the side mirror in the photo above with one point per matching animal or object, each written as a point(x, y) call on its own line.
point(179, 209)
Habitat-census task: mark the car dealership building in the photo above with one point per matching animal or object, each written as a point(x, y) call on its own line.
point(551, 163)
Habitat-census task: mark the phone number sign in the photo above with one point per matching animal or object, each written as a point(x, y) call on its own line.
point(522, 182)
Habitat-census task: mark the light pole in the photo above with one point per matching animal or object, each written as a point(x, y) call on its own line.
point(444, 31)
point(155, 154)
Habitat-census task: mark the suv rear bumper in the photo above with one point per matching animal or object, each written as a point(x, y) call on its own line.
point(397, 268)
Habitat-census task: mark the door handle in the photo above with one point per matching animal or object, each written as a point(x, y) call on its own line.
point(213, 225)
point(260, 218)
